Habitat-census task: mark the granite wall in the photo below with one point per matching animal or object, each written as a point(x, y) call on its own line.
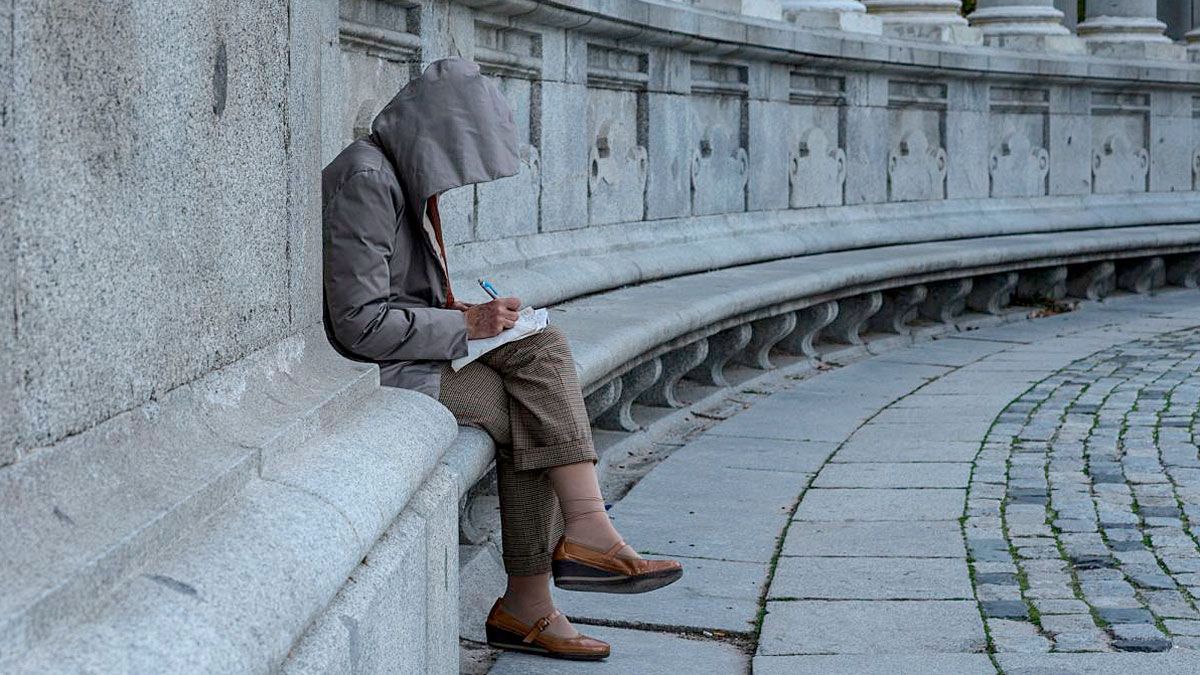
point(160, 214)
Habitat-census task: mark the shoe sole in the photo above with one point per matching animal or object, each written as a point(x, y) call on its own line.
point(572, 576)
point(502, 639)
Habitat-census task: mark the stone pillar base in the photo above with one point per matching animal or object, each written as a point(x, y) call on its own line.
point(765, 9)
point(1155, 51)
point(948, 33)
point(853, 22)
point(1059, 44)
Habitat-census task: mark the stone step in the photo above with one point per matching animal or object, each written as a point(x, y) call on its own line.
point(86, 515)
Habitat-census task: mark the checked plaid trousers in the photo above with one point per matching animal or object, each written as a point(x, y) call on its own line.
point(526, 396)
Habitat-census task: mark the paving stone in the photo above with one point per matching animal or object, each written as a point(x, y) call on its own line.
point(1004, 609)
point(923, 539)
point(634, 651)
point(881, 504)
point(763, 454)
point(1017, 636)
point(893, 475)
point(1067, 623)
point(1081, 641)
point(1124, 615)
point(1183, 626)
point(713, 594)
point(881, 664)
point(1060, 606)
point(1139, 637)
point(871, 627)
point(871, 579)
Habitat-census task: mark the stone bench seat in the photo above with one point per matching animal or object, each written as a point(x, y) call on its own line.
point(612, 332)
point(219, 522)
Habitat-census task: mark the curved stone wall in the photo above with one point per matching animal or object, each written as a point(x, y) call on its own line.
point(669, 128)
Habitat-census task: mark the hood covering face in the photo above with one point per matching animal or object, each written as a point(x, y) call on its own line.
point(447, 128)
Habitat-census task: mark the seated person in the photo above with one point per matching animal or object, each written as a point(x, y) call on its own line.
point(388, 301)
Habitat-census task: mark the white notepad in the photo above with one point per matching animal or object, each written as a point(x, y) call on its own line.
point(529, 321)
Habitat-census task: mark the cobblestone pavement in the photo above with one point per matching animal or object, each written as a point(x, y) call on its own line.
point(1023, 498)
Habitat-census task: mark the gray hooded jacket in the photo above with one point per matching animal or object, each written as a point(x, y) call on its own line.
point(385, 280)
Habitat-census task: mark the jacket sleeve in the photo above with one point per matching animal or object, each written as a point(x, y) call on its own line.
point(360, 234)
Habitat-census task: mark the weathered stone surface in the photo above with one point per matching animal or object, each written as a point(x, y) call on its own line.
point(924, 539)
point(863, 578)
point(871, 627)
point(635, 651)
point(692, 602)
point(874, 664)
point(880, 504)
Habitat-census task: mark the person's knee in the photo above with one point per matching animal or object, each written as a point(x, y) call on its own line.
point(554, 334)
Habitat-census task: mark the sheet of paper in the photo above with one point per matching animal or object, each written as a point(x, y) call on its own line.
point(529, 321)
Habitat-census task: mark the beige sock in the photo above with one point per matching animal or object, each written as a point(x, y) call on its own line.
point(584, 516)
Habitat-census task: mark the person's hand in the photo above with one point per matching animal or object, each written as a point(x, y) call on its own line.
point(488, 319)
point(462, 306)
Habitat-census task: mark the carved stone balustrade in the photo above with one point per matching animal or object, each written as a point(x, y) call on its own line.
point(852, 316)
point(768, 332)
point(1048, 284)
point(619, 416)
point(722, 348)
point(900, 306)
point(1184, 271)
point(675, 364)
point(809, 323)
point(946, 300)
point(991, 294)
point(1092, 281)
point(1142, 276)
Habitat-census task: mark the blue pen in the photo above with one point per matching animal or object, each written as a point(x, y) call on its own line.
point(488, 288)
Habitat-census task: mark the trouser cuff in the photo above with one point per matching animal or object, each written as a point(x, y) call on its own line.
point(527, 565)
point(560, 454)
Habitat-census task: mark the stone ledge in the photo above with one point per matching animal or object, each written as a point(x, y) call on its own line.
point(233, 512)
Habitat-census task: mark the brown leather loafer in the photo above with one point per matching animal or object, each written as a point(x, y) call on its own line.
point(505, 631)
point(579, 568)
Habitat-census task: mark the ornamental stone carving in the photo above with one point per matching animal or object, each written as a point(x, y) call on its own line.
point(818, 171)
point(1117, 166)
point(916, 170)
point(719, 172)
point(1017, 168)
point(616, 176)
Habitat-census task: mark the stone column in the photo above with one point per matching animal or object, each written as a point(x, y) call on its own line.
point(848, 15)
point(1024, 24)
point(1127, 28)
point(939, 20)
